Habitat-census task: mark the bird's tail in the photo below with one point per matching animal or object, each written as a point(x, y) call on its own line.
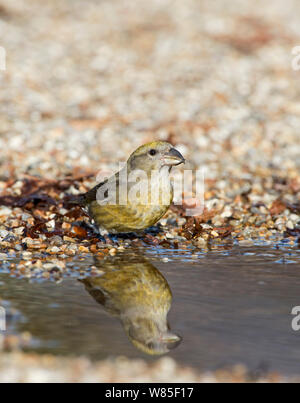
point(78, 200)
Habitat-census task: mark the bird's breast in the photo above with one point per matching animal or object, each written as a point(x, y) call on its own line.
point(146, 202)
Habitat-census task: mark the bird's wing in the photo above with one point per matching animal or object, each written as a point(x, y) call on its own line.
point(104, 190)
point(91, 195)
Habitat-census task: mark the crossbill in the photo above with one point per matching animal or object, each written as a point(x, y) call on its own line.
point(133, 290)
point(138, 195)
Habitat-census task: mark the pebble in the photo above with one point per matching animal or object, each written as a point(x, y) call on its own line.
point(27, 255)
point(68, 239)
point(5, 211)
point(26, 216)
point(206, 226)
point(19, 231)
point(83, 249)
point(56, 240)
point(227, 214)
point(295, 218)
point(3, 233)
point(246, 242)
point(50, 225)
point(53, 250)
point(113, 251)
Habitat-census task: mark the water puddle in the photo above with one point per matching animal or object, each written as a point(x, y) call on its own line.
point(230, 305)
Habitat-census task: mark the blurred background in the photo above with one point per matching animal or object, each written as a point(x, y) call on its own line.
point(86, 82)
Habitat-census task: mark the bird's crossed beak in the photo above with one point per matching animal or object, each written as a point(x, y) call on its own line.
point(172, 340)
point(173, 157)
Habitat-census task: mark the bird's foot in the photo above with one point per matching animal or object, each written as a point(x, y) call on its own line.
point(110, 240)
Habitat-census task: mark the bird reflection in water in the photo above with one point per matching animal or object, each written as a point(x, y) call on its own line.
point(133, 290)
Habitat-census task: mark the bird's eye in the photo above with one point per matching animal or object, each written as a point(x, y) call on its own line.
point(152, 152)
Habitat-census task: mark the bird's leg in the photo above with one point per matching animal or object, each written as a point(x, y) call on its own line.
point(108, 237)
point(109, 240)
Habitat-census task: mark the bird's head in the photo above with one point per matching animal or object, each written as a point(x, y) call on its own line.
point(152, 335)
point(154, 156)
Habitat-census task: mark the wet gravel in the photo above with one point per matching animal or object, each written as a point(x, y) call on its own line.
point(88, 82)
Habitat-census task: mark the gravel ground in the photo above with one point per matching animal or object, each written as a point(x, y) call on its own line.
point(87, 82)
point(28, 368)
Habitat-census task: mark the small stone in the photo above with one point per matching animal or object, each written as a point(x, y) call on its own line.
point(53, 250)
point(26, 216)
point(3, 233)
point(18, 185)
point(34, 243)
point(227, 214)
point(246, 242)
point(263, 210)
point(27, 254)
point(74, 191)
point(14, 223)
point(206, 226)
point(66, 226)
point(83, 249)
point(5, 211)
point(201, 241)
point(50, 225)
point(5, 244)
point(295, 218)
point(113, 251)
point(70, 252)
point(68, 239)
point(19, 231)
point(49, 266)
point(94, 249)
point(56, 241)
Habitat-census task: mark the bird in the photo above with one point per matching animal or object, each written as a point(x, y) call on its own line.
point(137, 196)
point(133, 289)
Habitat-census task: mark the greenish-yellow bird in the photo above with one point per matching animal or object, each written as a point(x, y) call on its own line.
point(138, 195)
point(133, 290)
